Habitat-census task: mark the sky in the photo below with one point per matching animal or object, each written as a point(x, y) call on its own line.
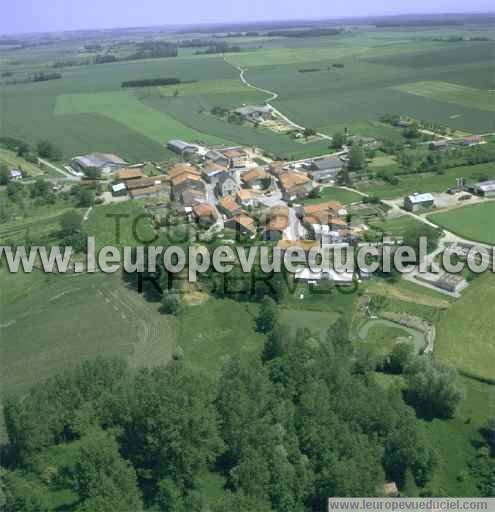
point(23, 16)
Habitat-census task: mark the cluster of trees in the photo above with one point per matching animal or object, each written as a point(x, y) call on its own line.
point(71, 232)
point(219, 47)
point(154, 50)
point(286, 431)
point(151, 82)
point(312, 32)
point(38, 76)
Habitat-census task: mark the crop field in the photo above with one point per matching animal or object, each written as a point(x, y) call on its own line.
point(359, 77)
point(465, 332)
point(125, 108)
point(452, 93)
point(474, 222)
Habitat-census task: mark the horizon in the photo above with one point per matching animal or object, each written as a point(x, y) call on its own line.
point(34, 26)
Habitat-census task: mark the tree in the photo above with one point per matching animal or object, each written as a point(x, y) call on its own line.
point(4, 174)
point(171, 430)
point(488, 432)
point(240, 503)
point(276, 342)
point(23, 149)
point(46, 149)
point(401, 357)
point(85, 198)
point(338, 140)
point(170, 302)
point(267, 315)
point(92, 173)
point(309, 132)
point(70, 223)
point(357, 160)
point(433, 389)
point(22, 494)
point(100, 476)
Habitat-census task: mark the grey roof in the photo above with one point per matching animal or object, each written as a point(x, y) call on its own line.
point(99, 160)
point(180, 145)
point(326, 164)
point(215, 156)
point(224, 176)
point(486, 186)
point(420, 198)
point(253, 109)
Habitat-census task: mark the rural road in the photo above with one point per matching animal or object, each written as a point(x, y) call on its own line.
point(55, 168)
point(272, 97)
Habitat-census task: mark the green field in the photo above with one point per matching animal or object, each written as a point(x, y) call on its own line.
point(465, 332)
point(12, 160)
point(473, 222)
point(425, 182)
point(86, 110)
point(452, 93)
point(125, 108)
point(119, 225)
point(335, 194)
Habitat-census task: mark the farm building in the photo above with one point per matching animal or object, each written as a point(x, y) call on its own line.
point(334, 208)
point(325, 169)
point(129, 174)
point(242, 224)
point(15, 175)
point(256, 178)
point(339, 278)
point(485, 188)
point(106, 163)
point(217, 158)
point(119, 189)
point(237, 157)
point(179, 169)
point(226, 184)
point(439, 145)
point(190, 197)
point(205, 214)
point(229, 207)
point(254, 113)
point(416, 202)
point(472, 140)
point(294, 185)
point(145, 192)
point(181, 147)
point(186, 181)
point(211, 171)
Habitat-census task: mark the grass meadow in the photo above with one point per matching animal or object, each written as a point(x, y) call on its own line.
point(474, 222)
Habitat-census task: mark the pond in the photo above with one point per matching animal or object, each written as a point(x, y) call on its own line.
point(397, 331)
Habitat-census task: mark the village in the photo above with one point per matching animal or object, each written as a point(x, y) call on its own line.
point(239, 193)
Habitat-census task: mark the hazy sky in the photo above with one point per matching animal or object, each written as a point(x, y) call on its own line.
point(20, 16)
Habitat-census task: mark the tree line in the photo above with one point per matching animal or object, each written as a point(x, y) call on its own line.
point(304, 421)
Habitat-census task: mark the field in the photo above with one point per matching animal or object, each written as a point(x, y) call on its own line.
point(425, 182)
point(452, 93)
point(65, 319)
point(335, 194)
point(13, 161)
point(465, 332)
point(473, 222)
point(361, 75)
point(119, 225)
